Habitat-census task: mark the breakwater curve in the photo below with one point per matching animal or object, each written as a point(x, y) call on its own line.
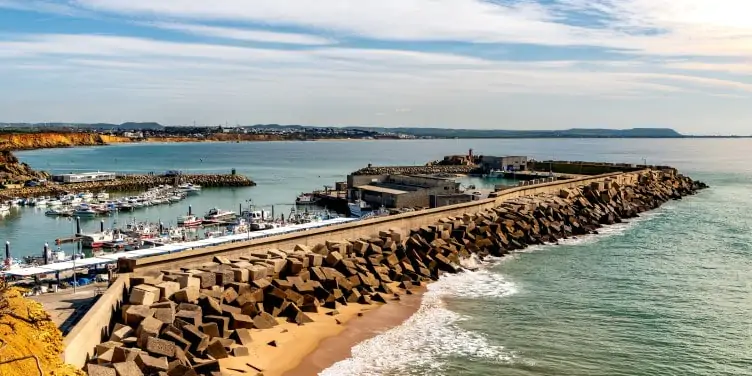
point(257, 290)
point(127, 183)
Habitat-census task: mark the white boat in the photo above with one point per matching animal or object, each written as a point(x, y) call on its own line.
point(219, 215)
point(98, 239)
point(86, 196)
point(175, 198)
point(85, 210)
point(190, 188)
point(4, 208)
point(41, 201)
point(54, 203)
point(103, 196)
point(189, 221)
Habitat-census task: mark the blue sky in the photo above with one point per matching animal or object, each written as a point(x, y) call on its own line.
point(501, 64)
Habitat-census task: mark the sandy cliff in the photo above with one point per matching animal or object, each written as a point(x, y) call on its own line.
point(26, 141)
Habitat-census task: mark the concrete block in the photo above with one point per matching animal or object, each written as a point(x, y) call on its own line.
point(120, 332)
point(103, 347)
point(264, 321)
point(150, 327)
point(187, 295)
point(160, 347)
point(151, 365)
point(128, 368)
point(208, 279)
point(229, 295)
point(216, 350)
point(197, 339)
point(223, 323)
point(97, 370)
point(242, 336)
point(241, 274)
point(211, 329)
point(190, 317)
point(167, 289)
point(144, 295)
point(189, 281)
point(257, 272)
point(165, 315)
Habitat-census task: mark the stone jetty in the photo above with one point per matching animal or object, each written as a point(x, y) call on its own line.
point(182, 321)
point(130, 183)
point(417, 170)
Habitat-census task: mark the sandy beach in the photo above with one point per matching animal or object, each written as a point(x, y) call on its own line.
point(308, 349)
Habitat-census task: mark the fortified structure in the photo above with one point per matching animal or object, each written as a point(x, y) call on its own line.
point(185, 319)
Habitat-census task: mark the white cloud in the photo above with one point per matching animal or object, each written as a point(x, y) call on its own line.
point(659, 27)
point(244, 34)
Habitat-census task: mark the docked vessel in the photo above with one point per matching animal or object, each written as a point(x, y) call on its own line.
point(215, 214)
point(189, 188)
point(189, 221)
point(306, 199)
point(99, 239)
point(85, 211)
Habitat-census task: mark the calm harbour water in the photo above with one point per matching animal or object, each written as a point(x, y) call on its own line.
point(666, 294)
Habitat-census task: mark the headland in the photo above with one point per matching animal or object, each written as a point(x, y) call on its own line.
point(264, 304)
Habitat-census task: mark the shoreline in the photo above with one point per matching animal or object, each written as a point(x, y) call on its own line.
point(339, 347)
point(302, 350)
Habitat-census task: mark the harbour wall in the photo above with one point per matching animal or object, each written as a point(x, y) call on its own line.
point(416, 170)
point(590, 168)
point(130, 183)
point(83, 338)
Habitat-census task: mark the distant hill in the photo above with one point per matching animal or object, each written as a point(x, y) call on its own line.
point(501, 133)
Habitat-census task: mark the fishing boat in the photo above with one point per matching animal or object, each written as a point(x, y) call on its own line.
point(215, 214)
point(85, 210)
point(86, 196)
point(102, 196)
point(306, 199)
point(189, 221)
point(98, 239)
point(358, 208)
point(41, 201)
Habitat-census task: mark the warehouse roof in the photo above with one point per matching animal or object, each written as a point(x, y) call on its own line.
point(375, 188)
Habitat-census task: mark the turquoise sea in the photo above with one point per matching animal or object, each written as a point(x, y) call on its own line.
point(666, 294)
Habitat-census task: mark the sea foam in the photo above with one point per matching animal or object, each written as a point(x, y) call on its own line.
point(423, 342)
point(431, 334)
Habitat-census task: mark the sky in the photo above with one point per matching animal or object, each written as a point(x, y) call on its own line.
point(485, 64)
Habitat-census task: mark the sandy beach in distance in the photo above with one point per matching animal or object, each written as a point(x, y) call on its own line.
point(310, 348)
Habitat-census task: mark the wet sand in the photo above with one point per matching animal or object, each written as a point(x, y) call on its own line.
point(310, 348)
point(373, 323)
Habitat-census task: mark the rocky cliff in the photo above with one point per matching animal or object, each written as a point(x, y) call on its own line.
point(11, 170)
point(26, 141)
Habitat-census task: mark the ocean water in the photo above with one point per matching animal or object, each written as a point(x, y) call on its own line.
point(665, 294)
point(668, 293)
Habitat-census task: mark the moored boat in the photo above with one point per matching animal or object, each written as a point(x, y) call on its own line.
point(189, 221)
point(215, 214)
point(306, 199)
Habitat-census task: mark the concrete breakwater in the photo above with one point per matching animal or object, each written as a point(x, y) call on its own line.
point(130, 183)
point(189, 320)
point(416, 170)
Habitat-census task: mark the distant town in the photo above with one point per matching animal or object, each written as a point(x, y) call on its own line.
point(153, 130)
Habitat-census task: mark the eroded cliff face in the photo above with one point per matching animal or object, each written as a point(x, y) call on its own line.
point(11, 170)
point(26, 141)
